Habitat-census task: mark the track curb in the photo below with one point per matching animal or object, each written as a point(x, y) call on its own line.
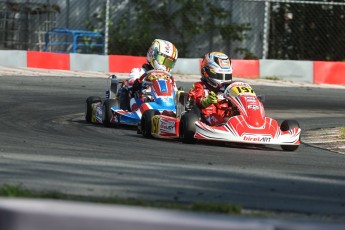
point(325, 138)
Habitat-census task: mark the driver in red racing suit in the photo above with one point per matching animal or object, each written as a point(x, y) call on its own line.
point(216, 74)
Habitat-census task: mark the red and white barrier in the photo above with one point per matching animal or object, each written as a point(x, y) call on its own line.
point(316, 72)
point(329, 72)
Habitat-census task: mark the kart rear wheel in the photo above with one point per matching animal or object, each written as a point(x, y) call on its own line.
point(146, 122)
point(89, 102)
point(285, 126)
point(107, 113)
point(187, 127)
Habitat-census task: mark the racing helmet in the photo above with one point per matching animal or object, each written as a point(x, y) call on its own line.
point(216, 69)
point(162, 55)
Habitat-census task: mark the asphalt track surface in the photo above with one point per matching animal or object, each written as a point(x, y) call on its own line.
point(45, 144)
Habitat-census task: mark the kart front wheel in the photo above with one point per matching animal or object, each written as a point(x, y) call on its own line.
point(187, 127)
point(288, 125)
point(146, 122)
point(107, 113)
point(89, 110)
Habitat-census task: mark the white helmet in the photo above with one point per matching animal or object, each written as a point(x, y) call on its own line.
point(162, 55)
point(216, 69)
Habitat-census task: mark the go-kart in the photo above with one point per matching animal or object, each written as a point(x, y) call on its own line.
point(122, 106)
point(246, 123)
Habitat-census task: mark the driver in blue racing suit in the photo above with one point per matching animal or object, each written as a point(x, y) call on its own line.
point(162, 55)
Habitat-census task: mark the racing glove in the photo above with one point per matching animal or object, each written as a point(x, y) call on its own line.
point(209, 100)
point(136, 85)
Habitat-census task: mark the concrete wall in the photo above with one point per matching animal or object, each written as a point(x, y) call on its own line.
point(88, 62)
point(13, 58)
point(187, 66)
point(296, 71)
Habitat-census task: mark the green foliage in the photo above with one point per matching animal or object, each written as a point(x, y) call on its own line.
point(21, 191)
point(306, 32)
point(128, 36)
point(342, 132)
point(14, 191)
point(217, 208)
point(144, 21)
point(201, 17)
point(246, 53)
point(273, 78)
point(188, 22)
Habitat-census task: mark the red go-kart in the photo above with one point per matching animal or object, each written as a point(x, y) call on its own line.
point(247, 123)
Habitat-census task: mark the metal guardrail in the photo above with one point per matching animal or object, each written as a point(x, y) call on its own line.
point(74, 41)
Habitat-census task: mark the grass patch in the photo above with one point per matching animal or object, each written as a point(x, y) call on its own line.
point(274, 78)
point(19, 191)
point(342, 132)
point(217, 208)
point(22, 192)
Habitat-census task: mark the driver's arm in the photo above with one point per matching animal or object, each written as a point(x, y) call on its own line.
point(196, 93)
point(137, 83)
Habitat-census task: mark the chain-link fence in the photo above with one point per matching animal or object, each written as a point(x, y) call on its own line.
point(246, 29)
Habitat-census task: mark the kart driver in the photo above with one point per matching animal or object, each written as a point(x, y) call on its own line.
point(216, 75)
point(161, 55)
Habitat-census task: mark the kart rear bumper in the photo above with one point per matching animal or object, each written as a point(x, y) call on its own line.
point(270, 133)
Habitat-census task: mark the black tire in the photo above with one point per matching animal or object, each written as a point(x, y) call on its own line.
point(146, 122)
point(107, 112)
point(187, 127)
point(88, 111)
point(285, 126)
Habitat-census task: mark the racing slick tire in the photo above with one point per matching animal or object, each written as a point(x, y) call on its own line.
point(146, 122)
point(285, 126)
point(89, 110)
point(187, 127)
point(107, 113)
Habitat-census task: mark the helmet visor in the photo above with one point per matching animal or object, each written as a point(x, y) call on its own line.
point(223, 76)
point(219, 76)
point(164, 60)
